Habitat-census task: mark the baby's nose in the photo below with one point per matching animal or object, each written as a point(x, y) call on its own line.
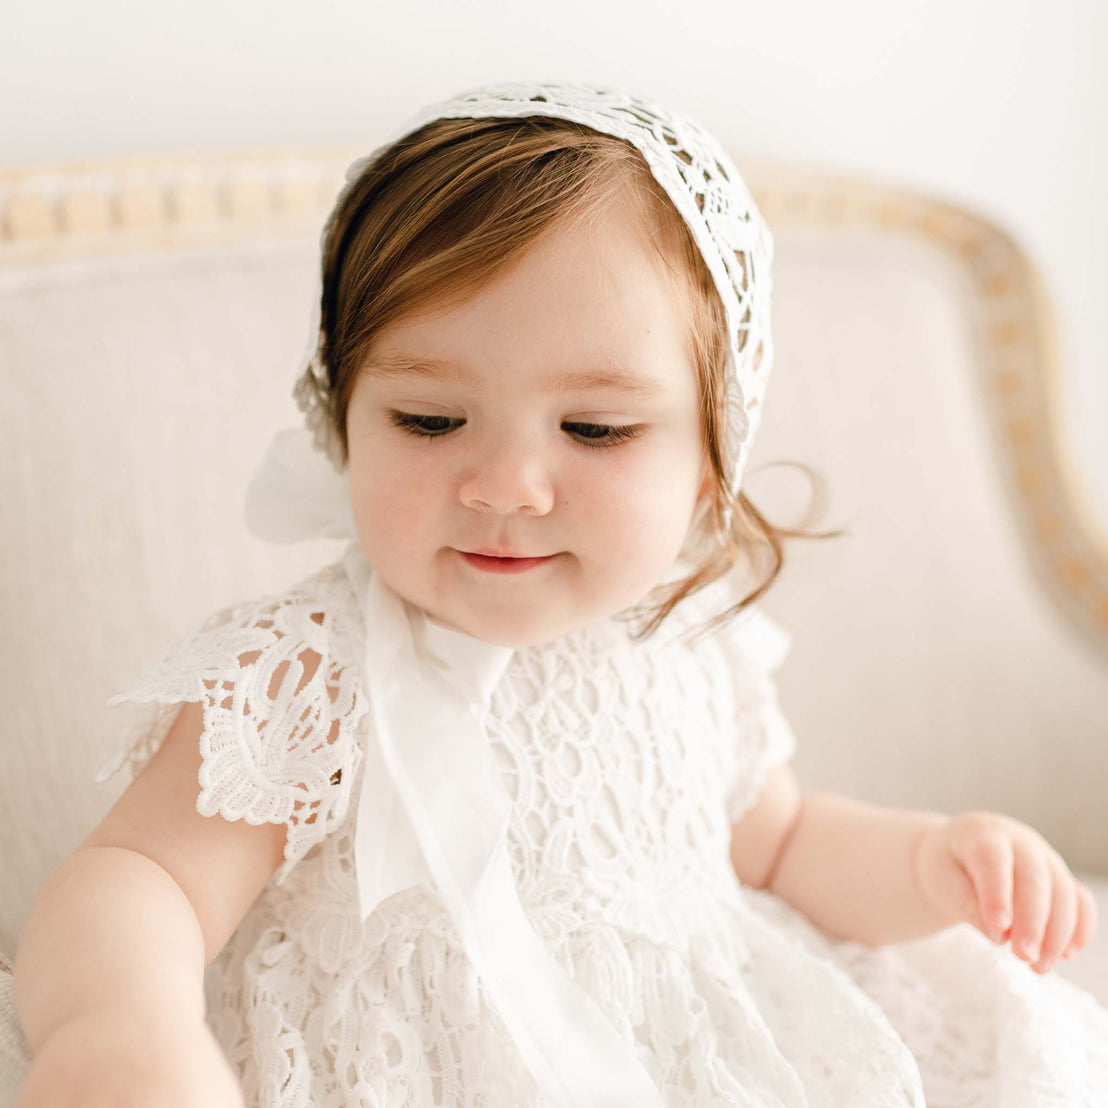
point(509, 477)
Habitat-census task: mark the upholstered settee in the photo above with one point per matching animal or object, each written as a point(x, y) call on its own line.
point(950, 650)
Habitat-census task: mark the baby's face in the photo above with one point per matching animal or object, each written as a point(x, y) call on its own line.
point(503, 462)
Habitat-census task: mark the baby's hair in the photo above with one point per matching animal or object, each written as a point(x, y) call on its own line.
point(446, 209)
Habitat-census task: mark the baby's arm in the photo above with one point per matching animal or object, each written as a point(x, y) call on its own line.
point(108, 988)
point(118, 937)
point(880, 875)
point(845, 865)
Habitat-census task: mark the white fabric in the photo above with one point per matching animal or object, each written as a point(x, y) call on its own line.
point(625, 764)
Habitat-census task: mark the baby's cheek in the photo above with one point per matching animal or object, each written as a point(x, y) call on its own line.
point(641, 524)
point(383, 518)
point(386, 485)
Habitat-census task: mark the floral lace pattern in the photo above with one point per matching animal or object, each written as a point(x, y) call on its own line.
point(279, 726)
point(626, 763)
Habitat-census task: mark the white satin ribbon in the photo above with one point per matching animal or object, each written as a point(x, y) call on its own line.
point(407, 702)
point(427, 699)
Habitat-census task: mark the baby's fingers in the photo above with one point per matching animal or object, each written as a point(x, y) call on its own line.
point(1086, 921)
point(987, 858)
point(1031, 898)
point(1063, 914)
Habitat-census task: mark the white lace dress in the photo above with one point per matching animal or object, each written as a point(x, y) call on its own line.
point(626, 764)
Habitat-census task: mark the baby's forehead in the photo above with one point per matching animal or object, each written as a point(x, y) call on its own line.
point(389, 365)
point(567, 327)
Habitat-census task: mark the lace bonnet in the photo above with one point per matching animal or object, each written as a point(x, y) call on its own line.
point(292, 497)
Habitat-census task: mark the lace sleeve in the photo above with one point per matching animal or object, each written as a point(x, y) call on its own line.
point(280, 716)
point(755, 647)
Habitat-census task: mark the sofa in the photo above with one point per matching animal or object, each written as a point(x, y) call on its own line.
point(950, 646)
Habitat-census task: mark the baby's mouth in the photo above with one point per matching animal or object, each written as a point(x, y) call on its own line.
point(499, 563)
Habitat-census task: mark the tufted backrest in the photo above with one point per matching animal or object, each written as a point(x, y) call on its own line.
point(949, 651)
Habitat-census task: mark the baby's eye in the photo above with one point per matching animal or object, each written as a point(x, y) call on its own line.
point(417, 424)
point(606, 434)
point(593, 434)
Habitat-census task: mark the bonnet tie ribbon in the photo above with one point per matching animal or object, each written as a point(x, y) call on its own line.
point(432, 743)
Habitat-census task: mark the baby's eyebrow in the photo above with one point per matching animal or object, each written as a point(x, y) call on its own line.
point(388, 366)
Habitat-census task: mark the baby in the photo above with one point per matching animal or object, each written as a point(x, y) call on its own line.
point(433, 826)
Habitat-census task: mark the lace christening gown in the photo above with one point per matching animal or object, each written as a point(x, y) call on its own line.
point(626, 764)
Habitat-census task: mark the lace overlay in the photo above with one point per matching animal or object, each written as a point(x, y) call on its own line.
point(279, 742)
point(626, 764)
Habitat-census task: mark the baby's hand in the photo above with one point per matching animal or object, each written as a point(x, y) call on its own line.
point(1006, 880)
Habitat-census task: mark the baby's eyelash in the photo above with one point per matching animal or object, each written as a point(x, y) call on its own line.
point(613, 434)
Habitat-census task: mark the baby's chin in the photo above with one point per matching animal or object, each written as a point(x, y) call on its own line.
point(517, 624)
point(518, 628)
point(521, 626)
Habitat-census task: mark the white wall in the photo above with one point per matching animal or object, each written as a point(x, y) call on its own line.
point(1001, 104)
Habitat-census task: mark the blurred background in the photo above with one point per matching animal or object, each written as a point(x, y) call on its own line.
point(1001, 105)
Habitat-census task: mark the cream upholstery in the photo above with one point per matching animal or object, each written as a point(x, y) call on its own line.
point(950, 653)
